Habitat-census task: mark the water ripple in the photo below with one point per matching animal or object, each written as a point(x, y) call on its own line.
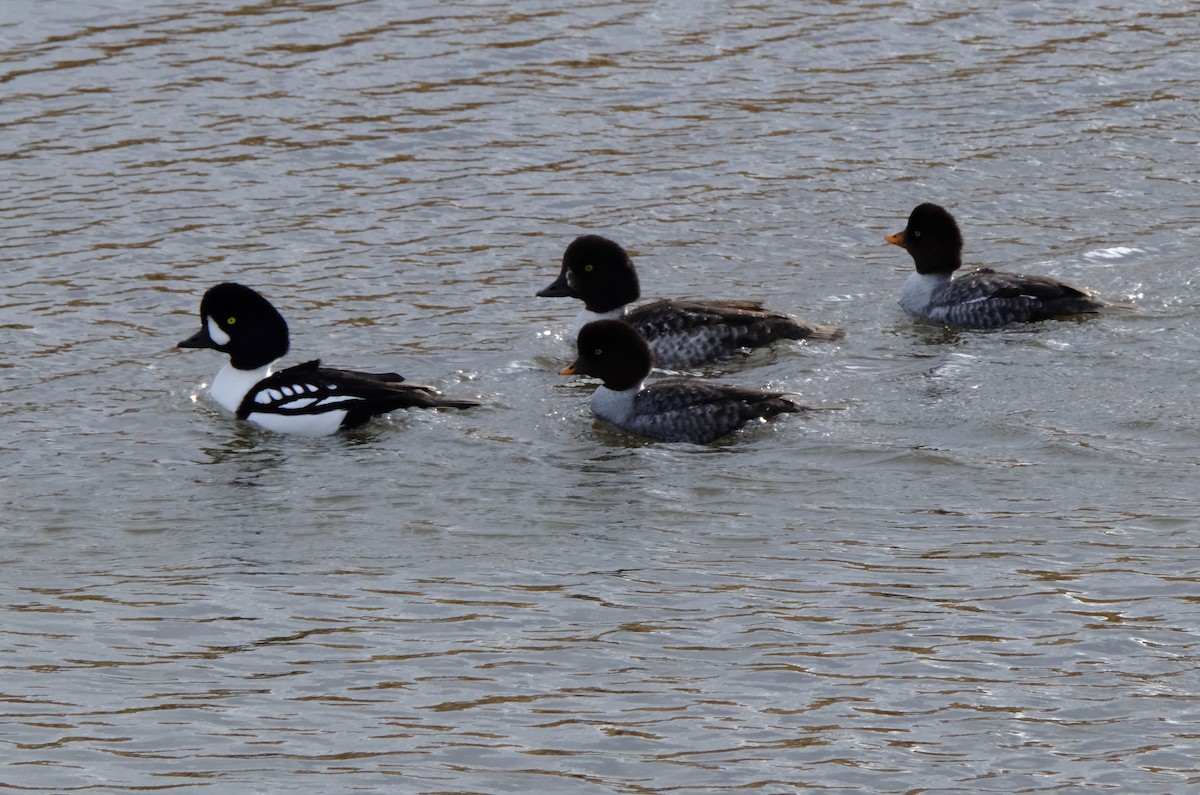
point(979, 577)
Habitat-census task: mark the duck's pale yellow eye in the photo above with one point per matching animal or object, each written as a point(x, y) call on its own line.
point(916, 233)
point(598, 352)
point(229, 321)
point(588, 268)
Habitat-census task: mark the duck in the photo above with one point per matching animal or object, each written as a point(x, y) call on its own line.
point(982, 298)
point(669, 410)
point(681, 333)
point(306, 399)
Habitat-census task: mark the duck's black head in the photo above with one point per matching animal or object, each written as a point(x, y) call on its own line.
point(238, 321)
point(597, 271)
point(932, 238)
point(614, 352)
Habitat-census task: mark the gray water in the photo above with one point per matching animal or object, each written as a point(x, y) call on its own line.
point(981, 576)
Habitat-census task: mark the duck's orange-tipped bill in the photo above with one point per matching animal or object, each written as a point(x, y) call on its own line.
point(568, 370)
point(896, 239)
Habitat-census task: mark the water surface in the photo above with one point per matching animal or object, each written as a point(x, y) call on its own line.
point(980, 577)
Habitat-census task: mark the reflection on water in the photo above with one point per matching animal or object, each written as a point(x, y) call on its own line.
point(980, 577)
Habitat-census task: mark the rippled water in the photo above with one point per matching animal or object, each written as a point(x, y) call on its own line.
point(981, 576)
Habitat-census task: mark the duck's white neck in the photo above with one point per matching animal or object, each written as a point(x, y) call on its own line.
point(232, 384)
point(612, 404)
point(587, 316)
point(921, 291)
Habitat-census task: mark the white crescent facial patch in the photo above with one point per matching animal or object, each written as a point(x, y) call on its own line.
point(216, 334)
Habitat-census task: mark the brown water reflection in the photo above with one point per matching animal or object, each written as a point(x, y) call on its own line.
point(980, 577)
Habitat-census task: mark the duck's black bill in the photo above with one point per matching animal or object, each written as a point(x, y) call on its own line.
point(198, 340)
point(558, 289)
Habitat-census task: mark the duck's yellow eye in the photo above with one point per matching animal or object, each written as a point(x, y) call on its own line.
point(229, 321)
point(916, 233)
point(598, 352)
point(588, 268)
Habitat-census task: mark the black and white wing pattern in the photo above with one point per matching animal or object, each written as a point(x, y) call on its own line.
point(353, 397)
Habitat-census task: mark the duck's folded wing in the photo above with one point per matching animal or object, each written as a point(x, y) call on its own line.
point(698, 411)
point(311, 389)
point(988, 283)
point(745, 321)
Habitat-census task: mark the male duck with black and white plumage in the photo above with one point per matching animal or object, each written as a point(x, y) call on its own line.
point(306, 399)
